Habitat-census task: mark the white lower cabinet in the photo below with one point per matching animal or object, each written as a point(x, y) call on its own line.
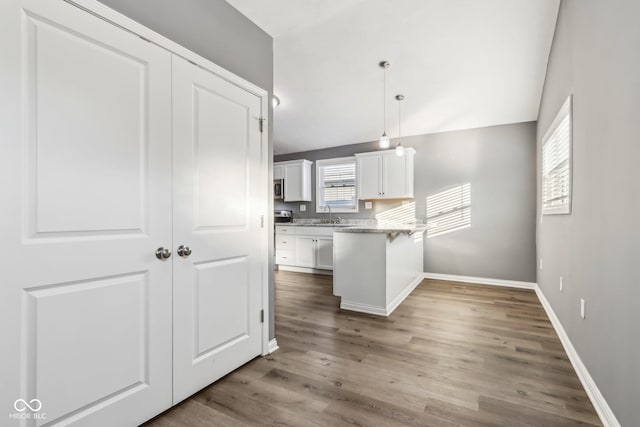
point(305, 251)
point(309, 247)
point(324, 253)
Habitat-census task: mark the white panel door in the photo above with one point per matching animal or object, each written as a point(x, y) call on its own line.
point(324, 253)
point(395, 182)
point(219, 190)
point(85, 166)
point(369, 177)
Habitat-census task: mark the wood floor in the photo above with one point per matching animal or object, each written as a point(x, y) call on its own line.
point(452, 354)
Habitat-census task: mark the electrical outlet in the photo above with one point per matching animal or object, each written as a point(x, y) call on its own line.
point(560, 283)
point(303, 208)
point(582, 308)
point(368, 205)
point(540, 263)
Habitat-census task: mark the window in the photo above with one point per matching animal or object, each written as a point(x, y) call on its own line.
point(556, 163)
point(336, 185)
point(449, 210)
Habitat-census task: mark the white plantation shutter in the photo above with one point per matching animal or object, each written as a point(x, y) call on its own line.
point(336, 185)
point(556, 163)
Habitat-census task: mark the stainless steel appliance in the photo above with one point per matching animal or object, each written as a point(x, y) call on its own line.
point(278, 188)
point(282, 216)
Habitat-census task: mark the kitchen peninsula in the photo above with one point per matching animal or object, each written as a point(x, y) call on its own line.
point(377, 267)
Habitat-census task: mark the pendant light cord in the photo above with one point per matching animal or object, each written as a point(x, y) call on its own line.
point(399, 118)
point(384, 98)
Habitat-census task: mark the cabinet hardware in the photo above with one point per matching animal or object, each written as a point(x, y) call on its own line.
point(261, 316)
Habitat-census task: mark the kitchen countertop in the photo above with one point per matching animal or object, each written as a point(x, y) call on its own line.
point(299, 224)
point(385, 228)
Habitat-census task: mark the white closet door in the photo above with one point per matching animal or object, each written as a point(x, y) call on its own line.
point(85, 164)
point(219, 189)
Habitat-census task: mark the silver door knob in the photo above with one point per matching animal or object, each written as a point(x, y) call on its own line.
point(163, 253)
point(184, 251)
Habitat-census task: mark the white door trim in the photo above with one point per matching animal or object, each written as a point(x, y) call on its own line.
point(104, 12)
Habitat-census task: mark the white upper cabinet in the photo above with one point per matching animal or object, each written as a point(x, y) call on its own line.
point(297, 179)
point(384, 175)
point(278, 172)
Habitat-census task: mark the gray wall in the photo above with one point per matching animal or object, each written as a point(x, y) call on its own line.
point(499, 162)
point(596, 249)
point(221, 34)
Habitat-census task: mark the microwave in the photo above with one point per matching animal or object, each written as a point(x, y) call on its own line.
point(278, 189)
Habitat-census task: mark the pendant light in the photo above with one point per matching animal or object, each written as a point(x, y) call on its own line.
point(384, 142)
point(399, 147)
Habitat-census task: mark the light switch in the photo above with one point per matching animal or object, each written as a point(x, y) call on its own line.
point(368, 205)
point(303, 208)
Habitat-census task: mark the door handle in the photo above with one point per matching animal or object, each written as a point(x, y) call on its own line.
point(184, 251)
point(163, 253)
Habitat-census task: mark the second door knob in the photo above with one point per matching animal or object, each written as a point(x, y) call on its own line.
point(184, 251)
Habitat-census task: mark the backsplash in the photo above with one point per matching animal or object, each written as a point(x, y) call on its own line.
point(379, 211)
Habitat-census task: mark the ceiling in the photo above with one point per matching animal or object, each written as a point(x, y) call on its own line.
point(461, 64)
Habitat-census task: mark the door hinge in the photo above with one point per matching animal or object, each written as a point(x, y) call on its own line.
point(261, 121)
point(261, 221)
point(261, 316)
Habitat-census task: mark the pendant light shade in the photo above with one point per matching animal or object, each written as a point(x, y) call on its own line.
point(384, 142)
point(399, 147)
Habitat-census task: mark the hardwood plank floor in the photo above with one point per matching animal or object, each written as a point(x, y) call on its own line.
point(452, 354)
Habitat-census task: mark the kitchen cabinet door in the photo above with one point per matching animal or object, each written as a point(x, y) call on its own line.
point(324, 253)
point(384, 175)
point(395, 183)
point(305, 251)
point(278, 172)
point(369, 177)
point(293, 185)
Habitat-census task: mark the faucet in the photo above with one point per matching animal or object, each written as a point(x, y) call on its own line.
point(329, 207)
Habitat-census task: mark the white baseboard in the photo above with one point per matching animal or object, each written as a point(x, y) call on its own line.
point(305, 270)
point(481, 280)
point(273, 345)
point(379, 310)
point(363, 308)
point(597, 399)
point(404, 294)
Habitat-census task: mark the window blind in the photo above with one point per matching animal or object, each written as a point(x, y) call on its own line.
point(337, 184)
point(556, 164)
point(449, 210)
